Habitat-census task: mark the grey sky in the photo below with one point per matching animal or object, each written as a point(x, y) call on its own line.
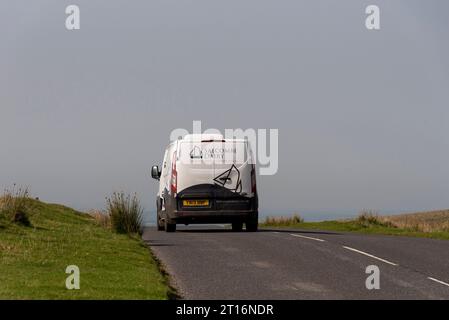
point(363, 116)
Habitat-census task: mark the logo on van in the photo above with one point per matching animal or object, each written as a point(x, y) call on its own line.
point(196, 153)
point(230, 179)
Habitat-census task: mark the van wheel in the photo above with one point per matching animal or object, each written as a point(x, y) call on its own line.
point(160, 226)
point(237, 226)
point(251, 226)
point(170, 227)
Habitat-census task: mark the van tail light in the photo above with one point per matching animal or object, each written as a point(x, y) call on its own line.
point(253, 179)
point(174, 175)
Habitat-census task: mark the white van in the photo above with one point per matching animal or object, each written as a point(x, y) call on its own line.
point(207, 179)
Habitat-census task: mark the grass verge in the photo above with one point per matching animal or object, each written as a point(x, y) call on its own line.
point(33, 259)
point(424, 224)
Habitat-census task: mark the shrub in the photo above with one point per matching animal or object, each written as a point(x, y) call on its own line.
point(284, 221)
point(367, 218)
point(125, 213)
point(13, 205)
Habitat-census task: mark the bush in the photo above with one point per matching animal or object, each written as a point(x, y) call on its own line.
point(13, 205)
point(125, 213)
point(367, 218)
point(283, 221)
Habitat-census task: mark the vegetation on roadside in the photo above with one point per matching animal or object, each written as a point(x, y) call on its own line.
point(431, 221)
point(101, 218)
point(33, 259)
point(125, 213)
point(434, 224)
point(284, 221)
point(13, 205)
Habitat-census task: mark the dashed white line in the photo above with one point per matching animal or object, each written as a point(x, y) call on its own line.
point(310, 238)
point(366, 254)
point(370, 255)
point(439, 281)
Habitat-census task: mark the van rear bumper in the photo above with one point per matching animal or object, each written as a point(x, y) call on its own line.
point(215, 216)
point(224, 206)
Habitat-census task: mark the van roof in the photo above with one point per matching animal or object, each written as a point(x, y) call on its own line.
point(209, 138)
point(200, 137)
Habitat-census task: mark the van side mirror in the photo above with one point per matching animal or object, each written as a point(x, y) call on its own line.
point(155, 172)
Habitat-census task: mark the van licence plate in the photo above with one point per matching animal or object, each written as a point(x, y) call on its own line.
point(195, 203)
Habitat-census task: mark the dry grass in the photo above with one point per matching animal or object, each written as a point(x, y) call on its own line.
point(432, 221)
point(283, 221)
point(432, 224)
point(101, 218)
point(367, 218)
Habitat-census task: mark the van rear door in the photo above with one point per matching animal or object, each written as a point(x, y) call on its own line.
point(220, 163)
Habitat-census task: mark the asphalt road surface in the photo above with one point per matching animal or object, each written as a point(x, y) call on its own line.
point(212, 262)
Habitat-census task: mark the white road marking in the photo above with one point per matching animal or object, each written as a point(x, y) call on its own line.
point(275, 232)
point(310, 238)
point(439, 281)
point(370, 255)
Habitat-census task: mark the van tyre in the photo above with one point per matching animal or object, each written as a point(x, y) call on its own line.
point(159, 222)
point(170, 227)
point(160, 225)
point(237, 226)
point(251, 226)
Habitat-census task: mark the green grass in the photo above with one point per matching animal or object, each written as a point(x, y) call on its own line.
point(362, 225)
point(112, 266)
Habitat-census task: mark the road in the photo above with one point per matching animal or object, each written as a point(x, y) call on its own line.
point(212, 262)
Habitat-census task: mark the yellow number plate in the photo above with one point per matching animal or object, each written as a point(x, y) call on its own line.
point(195, 203)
